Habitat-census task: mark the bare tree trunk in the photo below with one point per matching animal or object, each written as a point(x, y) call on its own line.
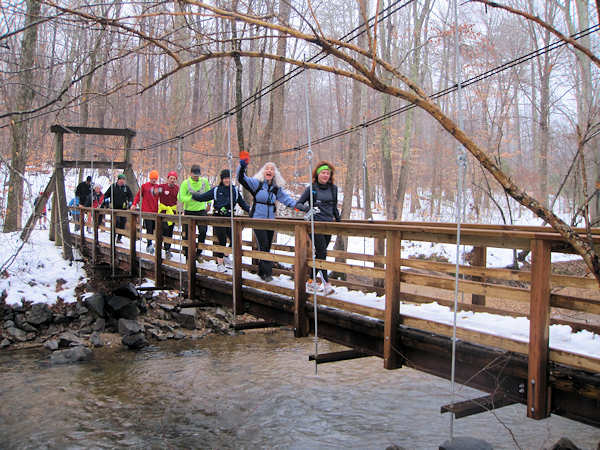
point(239, 69)
point(18, 129)
point(273, 140)
point(416, 75)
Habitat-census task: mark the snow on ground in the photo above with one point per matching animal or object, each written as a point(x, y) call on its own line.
point(38, 274)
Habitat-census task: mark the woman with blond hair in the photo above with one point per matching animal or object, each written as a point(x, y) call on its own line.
point(266, 188)
point(325, 210)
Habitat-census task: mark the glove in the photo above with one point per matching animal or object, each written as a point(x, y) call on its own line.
point(311, 212)
point(302, 207)
point(244, 158)
point(196, 196)
point(224, 211)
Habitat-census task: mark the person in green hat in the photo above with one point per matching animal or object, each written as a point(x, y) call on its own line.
point(119, 196)
point(199, 185)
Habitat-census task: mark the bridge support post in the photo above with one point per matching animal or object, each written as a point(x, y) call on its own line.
point(300, 271)
point(95, 238)
point(379, 250)
point(61, 199)
point(191, 258)
point(158, 251)
point(236, 236)
point(81, 228)
point(539, 320)
point(479, 260)
point(132, 248)
point(391, 338)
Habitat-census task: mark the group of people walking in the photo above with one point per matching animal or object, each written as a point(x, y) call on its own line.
point(267, 188)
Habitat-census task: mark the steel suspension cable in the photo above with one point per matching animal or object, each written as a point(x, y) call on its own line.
point(179, 213)
point(462, 164)
point(231, 206)
point(113, 225)
point(309, 155)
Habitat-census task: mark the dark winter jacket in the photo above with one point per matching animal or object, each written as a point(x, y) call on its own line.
point(221, 202)
point(324, 198)
point(84, 192)
point(119, 196)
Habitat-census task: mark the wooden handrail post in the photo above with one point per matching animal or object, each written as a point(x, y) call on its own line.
point(132, 246)
point(391, 339)
point(379, 250)
point(479, 259)
point(539, 320)
point(158, 252)
point(191, 257)
point(95, 241)
point(300, 271)
point(236, 236)
point(81, 227)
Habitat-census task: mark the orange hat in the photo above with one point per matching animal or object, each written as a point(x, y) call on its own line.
point(154, 175)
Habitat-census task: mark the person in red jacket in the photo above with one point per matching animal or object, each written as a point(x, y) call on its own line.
point(167, 204)
point(149, 193)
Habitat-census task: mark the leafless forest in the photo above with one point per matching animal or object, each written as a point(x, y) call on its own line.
point(381, 98)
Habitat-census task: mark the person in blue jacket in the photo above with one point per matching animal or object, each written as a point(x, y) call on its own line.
point(266, 188)
point(222, 207)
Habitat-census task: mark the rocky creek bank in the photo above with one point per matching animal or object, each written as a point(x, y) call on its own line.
point(123, 316)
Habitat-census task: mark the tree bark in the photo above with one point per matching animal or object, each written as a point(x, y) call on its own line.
point(19, 128)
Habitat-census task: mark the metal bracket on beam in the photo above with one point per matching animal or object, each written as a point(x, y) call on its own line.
point(344, 355)
point(478, 405)
point(254, 325)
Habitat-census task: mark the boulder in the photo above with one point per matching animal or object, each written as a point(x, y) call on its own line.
point(51, 344)
point(59, 318)
point(96, 339)
point(135, 341)
point(22, 323)
point(128, 327)
point(99, 325)
point(564, 444)
point(122, 307)
point(68, 339)
point(71, 355)
point(38, 314)
point(186, 317)
point(8, 324)
point(127, 290)
point(5, 343)
point(95, 303)
point(16, 334)
point(465, 443)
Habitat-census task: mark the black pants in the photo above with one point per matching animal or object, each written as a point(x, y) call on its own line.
point(149, 225)
point(167, 230)
point(120, 222)
point(321, 243)
point(222, 234)
point(201, 229)
point(264, 239)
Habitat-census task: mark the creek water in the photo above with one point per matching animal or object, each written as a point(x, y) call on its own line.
point(255, 390)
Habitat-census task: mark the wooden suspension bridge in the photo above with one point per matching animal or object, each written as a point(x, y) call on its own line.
point(548, 381)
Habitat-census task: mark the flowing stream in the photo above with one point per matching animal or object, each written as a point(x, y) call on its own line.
point(255, 390)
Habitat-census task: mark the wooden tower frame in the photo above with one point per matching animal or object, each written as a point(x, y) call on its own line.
point(56, 184)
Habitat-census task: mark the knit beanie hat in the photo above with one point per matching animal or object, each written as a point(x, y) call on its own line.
point(225, 174)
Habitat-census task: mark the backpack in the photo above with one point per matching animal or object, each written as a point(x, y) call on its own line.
point(258, 189)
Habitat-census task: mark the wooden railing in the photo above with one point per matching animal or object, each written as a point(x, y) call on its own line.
point(545, 297)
